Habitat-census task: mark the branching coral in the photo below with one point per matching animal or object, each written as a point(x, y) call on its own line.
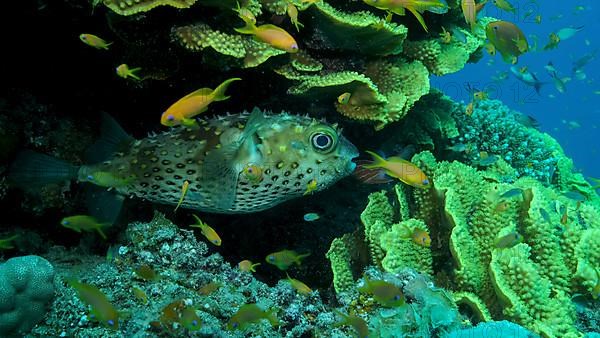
point(495, 129)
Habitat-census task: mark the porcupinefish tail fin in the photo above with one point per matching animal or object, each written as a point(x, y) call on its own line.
point(219, 168)
point(112, 139)
point(32, 169)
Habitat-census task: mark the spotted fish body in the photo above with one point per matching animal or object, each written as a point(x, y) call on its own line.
point(290, 152)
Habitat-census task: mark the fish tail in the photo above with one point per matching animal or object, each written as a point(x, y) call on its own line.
point(300, 257)
point(31, 168)
point(272, 318)
point(250, 27)
point(419, 18)
point(378, 161)
point(102, 234)
point(219, 92)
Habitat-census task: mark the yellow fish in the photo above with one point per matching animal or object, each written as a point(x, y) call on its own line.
point(6, 242)
point(253, 173)
point(310, 187)
point(416, 7)
point(247, 265)
point(504, 5)
point(207, 231)
point(292, 12)
point(401, 169)
point(285, 258)
point(250, 313)
point(106, 179)
point(386, 294)
point(553, 43)
point(184, 189)
point(125, 72)
point(94, 41)
point(275, 36)
point(101, 307)
point(596, 289)
point(508, 39)
point(84, 223)
point(184, 110)
point(469, 10)
point(359, 324)
point(302, 288)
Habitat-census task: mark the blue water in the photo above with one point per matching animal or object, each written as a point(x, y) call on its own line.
point(552, 109)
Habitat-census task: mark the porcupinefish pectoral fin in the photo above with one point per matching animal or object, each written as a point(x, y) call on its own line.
point(221, 167)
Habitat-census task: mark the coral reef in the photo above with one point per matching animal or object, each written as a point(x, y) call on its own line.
point(467, 214)
point(26, 288)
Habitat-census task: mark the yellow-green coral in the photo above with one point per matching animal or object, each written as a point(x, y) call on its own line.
point(444, 58)
point(528, 297)
point(130, 7)
point(201, 36)
point(340, 258)
point(360, 32)
point(386, 91)
point(466, 213)
point(402, 252)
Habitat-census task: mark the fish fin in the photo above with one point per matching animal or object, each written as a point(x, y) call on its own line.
point(378, 161)
point(102, 204)
point(419, 18)
point(188, 122)
point(112, 139)
point(250, 27)
point(272, 318)
point(198, 92)
point(219, 93)
point(102, 234)
point(298, 259)
point(398, 159)
point(35, 169)
point(220, 168)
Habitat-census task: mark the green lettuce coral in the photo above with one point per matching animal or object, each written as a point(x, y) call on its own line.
point(475, 219)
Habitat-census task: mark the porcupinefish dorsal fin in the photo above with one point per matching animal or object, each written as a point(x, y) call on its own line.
point(112, 139)
point(221, 167)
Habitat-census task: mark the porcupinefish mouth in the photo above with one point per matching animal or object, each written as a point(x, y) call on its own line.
point(350, 152)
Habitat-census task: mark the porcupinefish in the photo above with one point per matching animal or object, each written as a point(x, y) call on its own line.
point(285, 153)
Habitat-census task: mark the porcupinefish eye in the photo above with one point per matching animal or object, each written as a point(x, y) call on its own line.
point(323, 140)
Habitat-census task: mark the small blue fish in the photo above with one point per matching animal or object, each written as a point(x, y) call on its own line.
point(576, 196)
point(488, 160)
point(545, 215)
point(311, 216)
point(512, 193)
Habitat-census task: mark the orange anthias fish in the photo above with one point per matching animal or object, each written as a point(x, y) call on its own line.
point(94, 41)
point(100, 306)
point(275, 36)
point(207, 231)
point(195, 103)
point(416, 7)
point(401, 169)
point(508, 39)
